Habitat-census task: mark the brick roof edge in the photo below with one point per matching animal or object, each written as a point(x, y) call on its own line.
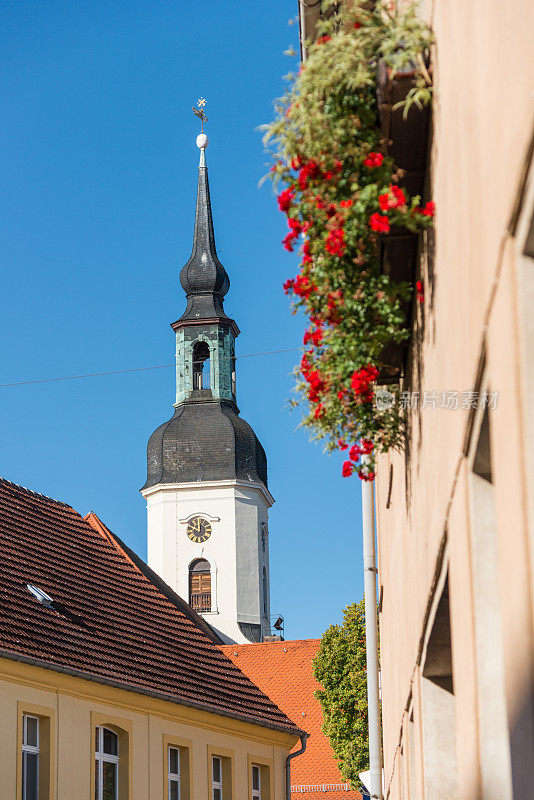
point(129, 687)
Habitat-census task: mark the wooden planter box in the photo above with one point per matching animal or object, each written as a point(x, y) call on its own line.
point(408, 145)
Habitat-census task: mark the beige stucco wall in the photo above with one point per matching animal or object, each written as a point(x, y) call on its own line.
point(77, 705)
point(483, 125)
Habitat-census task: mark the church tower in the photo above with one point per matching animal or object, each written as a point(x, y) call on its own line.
point(206, 488)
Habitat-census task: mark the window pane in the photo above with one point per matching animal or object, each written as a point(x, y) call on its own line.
point(109, 789)
point(217, 794)
point(174, 761)
point(255, 777)
point(217, 770)
point(174, 790)
point(111, 743)
point(32, 731)
point(30, 776)
point(97, 780)
point(97, 739)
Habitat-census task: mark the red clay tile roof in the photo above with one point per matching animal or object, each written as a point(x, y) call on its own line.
point(283, 670)
point(110, 622)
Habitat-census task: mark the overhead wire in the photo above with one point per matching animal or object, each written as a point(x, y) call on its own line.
point(134, 369)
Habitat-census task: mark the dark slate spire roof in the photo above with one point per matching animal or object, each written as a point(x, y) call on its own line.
point(205, 439)
point(203, 278)
point(205, 442)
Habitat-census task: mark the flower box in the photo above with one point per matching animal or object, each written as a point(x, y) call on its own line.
point(407, 142)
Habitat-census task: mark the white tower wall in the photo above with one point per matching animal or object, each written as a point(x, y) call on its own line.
point(238, 514)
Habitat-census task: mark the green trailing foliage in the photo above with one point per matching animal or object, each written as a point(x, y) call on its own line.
point(340, 668)
point(340, 192)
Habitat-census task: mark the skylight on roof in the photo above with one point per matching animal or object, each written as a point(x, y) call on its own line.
point(39, 595)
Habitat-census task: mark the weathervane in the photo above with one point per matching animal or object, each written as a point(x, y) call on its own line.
point(199, 112)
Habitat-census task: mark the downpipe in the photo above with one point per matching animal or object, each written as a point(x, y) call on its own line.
point(303, 740)
point(371, 640)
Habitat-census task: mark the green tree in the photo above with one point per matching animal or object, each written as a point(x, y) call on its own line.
point(340, 669)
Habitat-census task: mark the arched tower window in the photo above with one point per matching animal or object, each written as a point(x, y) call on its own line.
point(200, 585)
point(201, 366)
point(232, 363)
point(265, 608)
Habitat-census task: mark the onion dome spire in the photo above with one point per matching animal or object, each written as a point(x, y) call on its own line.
point(203, 278)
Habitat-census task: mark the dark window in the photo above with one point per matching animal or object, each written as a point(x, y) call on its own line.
point(201, 366)
point(200, 585)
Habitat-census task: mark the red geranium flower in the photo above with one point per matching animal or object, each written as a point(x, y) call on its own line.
point(319, 411)
point(295, 226)
point(302, 286)
point(287, 241)
point(429, 210)
point(361, 380)
point(347, 469)
point(332, 306)
point(314, 336)
point(342, 445)
point(374, 160)
point(346, 203)
point(354, 452)
point(393, 198)
point(307, 171)
point(323, 39)
point(384, 201)
point(335, 242)
point(284, 200)
point(288, 285)
point(398, 194)
point(379, 223)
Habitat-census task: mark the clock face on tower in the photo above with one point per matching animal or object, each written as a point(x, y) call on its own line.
point(198, 530)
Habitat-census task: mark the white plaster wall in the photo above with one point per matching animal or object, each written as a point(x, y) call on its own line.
point(251, 512)
point(235, 511)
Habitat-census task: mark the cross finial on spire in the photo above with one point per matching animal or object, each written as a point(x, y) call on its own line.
point(202, 139)
point(199, 112)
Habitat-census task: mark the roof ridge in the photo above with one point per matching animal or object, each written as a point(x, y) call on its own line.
point(151, 577)
point(34, 493)
point(282, 642)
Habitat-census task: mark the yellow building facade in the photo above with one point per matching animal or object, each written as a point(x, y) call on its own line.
point(70, 710)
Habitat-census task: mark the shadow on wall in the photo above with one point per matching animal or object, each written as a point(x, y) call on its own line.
point(413, 380)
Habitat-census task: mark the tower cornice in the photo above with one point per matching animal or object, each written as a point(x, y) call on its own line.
point(188, 323)
point(207, 485)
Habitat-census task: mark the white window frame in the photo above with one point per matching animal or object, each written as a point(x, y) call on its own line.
point(256, 793)
point(29, 748)
point(216, 784)
point(101, 757)
point(173, 776)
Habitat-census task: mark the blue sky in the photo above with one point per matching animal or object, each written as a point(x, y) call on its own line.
point(99, 167)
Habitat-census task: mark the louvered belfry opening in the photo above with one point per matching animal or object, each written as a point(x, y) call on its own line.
point(200, 585)
point(201, 366)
